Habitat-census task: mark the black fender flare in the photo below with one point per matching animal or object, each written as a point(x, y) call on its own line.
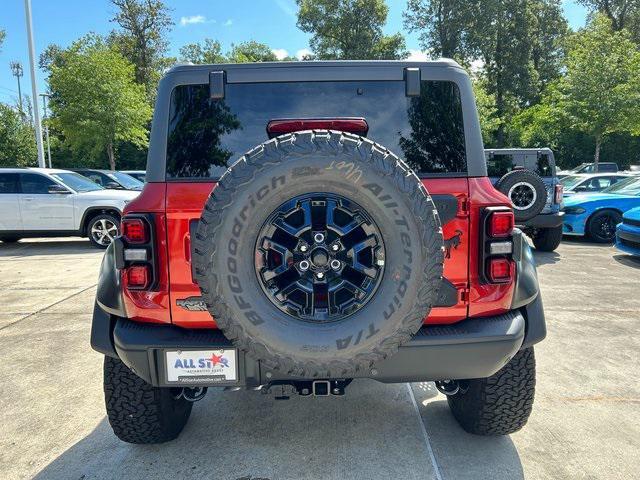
point(109, 302)
point(526, 295)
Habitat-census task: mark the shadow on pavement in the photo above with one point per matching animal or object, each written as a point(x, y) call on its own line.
point(627, 260)
point(28, 248)
point(546, 258)
point(582, 240)
point(461, 455)
point(372, 432)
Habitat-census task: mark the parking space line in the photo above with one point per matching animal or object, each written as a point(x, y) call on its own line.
point(436, 468)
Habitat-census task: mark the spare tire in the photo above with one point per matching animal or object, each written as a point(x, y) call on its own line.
point(527, 192)
point(319, 253)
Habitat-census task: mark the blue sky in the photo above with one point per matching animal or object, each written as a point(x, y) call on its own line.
point(270, 21)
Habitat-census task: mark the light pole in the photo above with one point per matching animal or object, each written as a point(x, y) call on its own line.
point(46, 126)
point(34, 88)
point(16, 71)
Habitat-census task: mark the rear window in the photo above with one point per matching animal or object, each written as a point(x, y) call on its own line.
point(499, 163)
point(206, 135)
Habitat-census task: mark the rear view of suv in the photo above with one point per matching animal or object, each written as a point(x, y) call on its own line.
point(528, 177)
point(307, 224)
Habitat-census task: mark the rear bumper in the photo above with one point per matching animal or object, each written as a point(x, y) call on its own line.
point(474, 348)
point(548, 220)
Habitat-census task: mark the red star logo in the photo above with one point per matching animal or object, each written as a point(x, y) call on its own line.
point(215, 360)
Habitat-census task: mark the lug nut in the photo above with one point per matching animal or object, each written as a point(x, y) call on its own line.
point(318, 237)
point(303, 248)
point(304, 265)
point(335, 247)
point(335, 264)
point(320, 275)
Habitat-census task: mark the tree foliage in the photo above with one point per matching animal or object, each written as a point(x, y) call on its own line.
point(517, 43)
point(600, 92)
point(96, 102)
point(17, 139)
point(2, 37)
point(598, 99)
point(210, 51)
point(142, 38)
point(349, 29)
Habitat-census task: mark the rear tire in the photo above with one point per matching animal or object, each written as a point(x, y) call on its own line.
point(548, 239)
point(139, 412)
point(601, 227)
point(500, 404)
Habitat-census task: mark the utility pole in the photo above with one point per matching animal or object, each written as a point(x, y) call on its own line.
point(34, 88)
point(46, 126)
point(16, 71)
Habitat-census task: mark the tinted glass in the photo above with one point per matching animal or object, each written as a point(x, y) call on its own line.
point(499, 163)
point(35, 184)
point(8, 183)
point(127, 181)
point(207, 135)
point(76, 182)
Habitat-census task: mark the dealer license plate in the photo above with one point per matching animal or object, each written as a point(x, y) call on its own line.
point(202, 366)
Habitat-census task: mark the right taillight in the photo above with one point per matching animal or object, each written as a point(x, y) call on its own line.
point(499, 270)
point(496, 261)
point(138, 276)
point(501, 224)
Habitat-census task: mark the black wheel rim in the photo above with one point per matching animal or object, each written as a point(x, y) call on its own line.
point(522, 195)
point(606, 227)
point(319, 257)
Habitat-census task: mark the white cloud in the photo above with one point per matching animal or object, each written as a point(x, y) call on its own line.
point(417, 56)
point(228, 23)
point(184, 21)
point(280, 53)
point(303, 52)
point(288, 7)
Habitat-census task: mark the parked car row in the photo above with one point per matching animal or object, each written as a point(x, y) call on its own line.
point(37, 202)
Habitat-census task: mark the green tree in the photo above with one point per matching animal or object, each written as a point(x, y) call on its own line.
point(622, 13)
point(209, 51)
point(517, 43)
point(600, 92)
point(2, 37)
point(96, 102)
point(251, 51)
point(443, 25)
point(141, 38)
point(17, 139)
point(349, 29)
point(486, 106)
point(595, 107)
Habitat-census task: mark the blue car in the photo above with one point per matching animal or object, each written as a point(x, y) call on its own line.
point(628, 232)
point(596, 215)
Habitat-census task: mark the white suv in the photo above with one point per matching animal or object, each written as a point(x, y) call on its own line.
point(38, 202)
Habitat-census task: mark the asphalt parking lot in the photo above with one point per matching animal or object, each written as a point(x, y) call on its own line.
point(585, 423)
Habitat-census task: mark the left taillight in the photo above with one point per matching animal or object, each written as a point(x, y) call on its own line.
point(135, 252)
point(496, 259)
point(134, 230)
point(559, 192)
